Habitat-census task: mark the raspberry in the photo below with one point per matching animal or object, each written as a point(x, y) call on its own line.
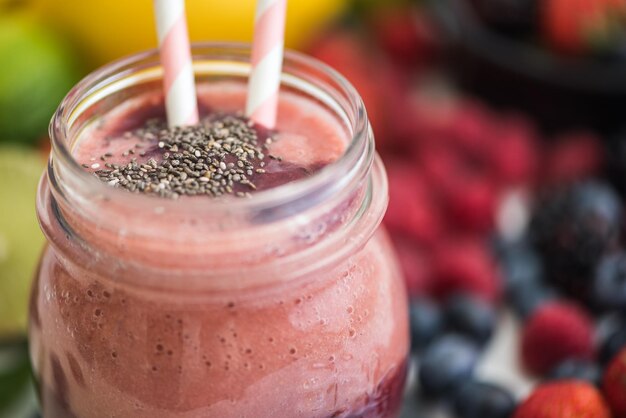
point(412, 211)
point(556, 331)
point(472, 203)
point(462, 266)
point(415, 266)
point(574, 157)
point(514, 156)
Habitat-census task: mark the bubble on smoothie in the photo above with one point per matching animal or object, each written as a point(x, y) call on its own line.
point(352, 333)
point(350, 310)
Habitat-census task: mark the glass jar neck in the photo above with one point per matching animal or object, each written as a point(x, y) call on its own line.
point(294, 227)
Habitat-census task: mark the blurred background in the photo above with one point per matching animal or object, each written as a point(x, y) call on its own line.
point(479, 108)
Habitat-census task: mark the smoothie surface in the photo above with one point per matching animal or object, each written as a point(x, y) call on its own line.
point(131, 146)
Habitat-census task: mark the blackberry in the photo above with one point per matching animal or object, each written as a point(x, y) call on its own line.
point(573, 228)
point(609, 286)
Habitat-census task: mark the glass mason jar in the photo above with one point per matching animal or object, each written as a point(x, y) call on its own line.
point(288, 303)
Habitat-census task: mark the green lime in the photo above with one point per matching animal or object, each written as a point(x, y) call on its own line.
point(21, 239)
point(37, 70)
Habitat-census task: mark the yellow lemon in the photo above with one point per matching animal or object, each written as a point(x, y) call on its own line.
point(108, 29)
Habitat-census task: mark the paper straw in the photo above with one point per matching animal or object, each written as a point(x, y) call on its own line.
point(267, 60)
point(178, 79)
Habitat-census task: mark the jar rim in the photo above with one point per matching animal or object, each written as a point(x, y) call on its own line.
point(357, 157)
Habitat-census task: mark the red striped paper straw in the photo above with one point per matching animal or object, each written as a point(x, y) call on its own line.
point(267, 60)
point(178, 78)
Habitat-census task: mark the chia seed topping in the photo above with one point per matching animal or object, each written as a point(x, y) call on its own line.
point(215, 158)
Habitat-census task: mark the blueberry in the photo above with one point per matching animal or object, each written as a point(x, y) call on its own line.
point(483, 400)
point(426, 322)
point(471, 317)
point(609, 285)
point(526, 297)
point(573, 228)
point(445, 364)
point(577, 369)
point(612, 344)
point(520, 264)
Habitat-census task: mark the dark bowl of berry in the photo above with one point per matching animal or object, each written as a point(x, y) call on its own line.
point(562, 61)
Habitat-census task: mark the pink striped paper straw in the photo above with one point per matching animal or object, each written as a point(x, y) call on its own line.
point(267, 60)
point(178, 79)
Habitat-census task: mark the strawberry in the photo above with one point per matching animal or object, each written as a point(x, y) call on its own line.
point(556, 331)
point(614, 384)
point(564, 399)
point(575, 26)
point(465, 266)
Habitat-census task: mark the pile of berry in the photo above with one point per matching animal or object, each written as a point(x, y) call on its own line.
point(487, 214)
point(562, 272)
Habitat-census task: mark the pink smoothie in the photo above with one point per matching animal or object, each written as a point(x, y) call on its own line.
point(136, 328)
point(306, 139)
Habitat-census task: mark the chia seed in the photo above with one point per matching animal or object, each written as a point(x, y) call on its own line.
point(206, 159)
